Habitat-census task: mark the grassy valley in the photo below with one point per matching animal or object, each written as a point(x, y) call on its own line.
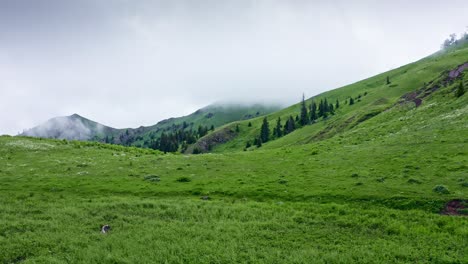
point(381, 181)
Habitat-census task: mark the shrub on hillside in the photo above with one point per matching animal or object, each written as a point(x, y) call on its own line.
point(414, 181)
point(152, 178)
point(283, 181)
point(184, 179)
point(441, 189)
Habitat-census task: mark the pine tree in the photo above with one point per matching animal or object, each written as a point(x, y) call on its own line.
point(330, 109)
point(388, 80)
point(290, 126)
point(460, 90)
point(321, 109)
point(277, 131)
point(337, 105)
point(258, 142)
point(326, 105)
point(265, 131)
point(237, 128)
point(250, 124)
point(351, 101)
point(304, 119)
point(313, 112)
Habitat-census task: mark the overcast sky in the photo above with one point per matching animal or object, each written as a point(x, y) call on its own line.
point(126, 63)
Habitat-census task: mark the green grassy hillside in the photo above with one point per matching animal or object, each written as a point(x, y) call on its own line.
point(381, 181)
point(375, 97)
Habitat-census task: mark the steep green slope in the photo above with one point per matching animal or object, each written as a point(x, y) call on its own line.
point(372, 97)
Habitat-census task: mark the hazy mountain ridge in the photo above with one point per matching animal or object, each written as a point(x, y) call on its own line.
point(76, 127)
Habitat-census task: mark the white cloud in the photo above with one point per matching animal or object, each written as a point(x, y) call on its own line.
point(131, 63)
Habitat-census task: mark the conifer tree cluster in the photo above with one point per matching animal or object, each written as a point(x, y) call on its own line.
point(308, 115)
point(178, 139)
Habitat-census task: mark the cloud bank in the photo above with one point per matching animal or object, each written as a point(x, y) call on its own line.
point(131, 63)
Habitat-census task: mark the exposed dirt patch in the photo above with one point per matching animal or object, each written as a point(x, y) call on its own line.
point(206, 143)
point(445, 79)
point(456, 207)
point(369, 116)
point(333, 129)
point(380, 101)
point(455, 73)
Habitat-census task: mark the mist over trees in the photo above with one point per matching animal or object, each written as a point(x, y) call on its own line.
point(452, 40)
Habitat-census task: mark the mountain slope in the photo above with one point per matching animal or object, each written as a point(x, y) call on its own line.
point(74, 127)
point(412, 85)
point(213, 115)
point(377, 182)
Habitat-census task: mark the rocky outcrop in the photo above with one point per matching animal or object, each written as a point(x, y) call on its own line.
point(206, 143)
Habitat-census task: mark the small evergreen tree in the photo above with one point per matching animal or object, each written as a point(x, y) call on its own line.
point(304, 119)
point(237, 128)
point(326, 106)
point(321, 109)
point(289, 126)
point(388, 80)
point(250, 124)
point(337, 104)
point(277, 131)
point(313, 112)
point(460, 90)
point(351, 101)
point(265, 131)
point(258, 142)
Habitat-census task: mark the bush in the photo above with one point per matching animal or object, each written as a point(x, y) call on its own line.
point(283, 181)
point(381, 179)
point(414, 181)
point(152, 178)
point(184, 179)
point(196, 151)
point(441, 189)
